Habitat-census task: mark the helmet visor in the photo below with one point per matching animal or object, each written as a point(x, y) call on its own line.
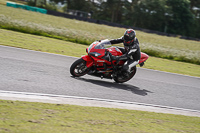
point(127, 38)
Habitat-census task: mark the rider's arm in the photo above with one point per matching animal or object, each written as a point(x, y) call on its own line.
point(115, 41)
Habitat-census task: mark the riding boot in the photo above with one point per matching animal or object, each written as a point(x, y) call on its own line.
point(132, 65)
point(128, 65)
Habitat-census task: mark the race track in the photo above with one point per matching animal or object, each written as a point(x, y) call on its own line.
point(30, 71)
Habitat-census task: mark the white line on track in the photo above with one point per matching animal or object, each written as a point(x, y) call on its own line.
point(95, 102)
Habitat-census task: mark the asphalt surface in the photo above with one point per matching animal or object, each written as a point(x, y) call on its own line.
point(36, 72)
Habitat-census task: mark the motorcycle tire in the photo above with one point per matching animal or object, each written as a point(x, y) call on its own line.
point(79, 68)
point(120, 79)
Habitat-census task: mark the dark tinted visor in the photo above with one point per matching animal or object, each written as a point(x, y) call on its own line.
point(126, 38)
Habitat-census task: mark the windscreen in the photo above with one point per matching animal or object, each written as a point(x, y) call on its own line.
point(103, 44)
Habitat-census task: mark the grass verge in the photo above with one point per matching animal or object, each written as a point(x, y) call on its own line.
point(45, 44)
point(33, 117)
point(85, 33)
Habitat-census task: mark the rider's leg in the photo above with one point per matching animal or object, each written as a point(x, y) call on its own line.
point(133, 61)
point(129, 64)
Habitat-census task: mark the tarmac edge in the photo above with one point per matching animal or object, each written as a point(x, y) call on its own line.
point(94, 102)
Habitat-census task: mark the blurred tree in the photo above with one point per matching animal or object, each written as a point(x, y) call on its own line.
point(194, 3)
point(111, 10)
point(39, 3)
point(195, 9)
point(58, 1)
point(81, 5)
point(182, 19)
point(170, 16)
point(150, 14)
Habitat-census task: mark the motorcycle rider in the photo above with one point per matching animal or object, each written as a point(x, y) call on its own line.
point(131, 50)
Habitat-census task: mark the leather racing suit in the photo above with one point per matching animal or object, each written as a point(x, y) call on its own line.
point(131, 53)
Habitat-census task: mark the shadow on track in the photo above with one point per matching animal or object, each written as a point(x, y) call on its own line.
point(133, 89)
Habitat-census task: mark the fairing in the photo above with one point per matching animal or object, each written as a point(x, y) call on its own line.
point(98, 54)
point(143, 58)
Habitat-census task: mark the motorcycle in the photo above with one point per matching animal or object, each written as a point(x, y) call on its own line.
point(99, 62)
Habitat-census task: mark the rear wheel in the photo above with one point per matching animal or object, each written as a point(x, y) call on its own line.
point(79, 68)
point(125, 76)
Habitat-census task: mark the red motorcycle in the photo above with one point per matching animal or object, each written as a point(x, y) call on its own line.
point(99, 62)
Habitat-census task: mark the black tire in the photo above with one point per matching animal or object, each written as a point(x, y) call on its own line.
point(122, 79)
point(79, 68)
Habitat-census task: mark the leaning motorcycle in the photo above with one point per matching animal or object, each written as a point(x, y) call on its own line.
point(99, 62)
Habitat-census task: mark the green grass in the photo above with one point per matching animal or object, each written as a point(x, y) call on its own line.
point(85, 33)
point(45, 44)
point(25, 117)
point(40, 43)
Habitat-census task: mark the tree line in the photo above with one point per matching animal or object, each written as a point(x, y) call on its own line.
point(181, 17)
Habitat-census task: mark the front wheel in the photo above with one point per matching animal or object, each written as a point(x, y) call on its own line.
point(79, 68)
point(125, 76)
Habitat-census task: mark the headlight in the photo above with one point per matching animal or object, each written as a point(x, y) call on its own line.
point(94, 54)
